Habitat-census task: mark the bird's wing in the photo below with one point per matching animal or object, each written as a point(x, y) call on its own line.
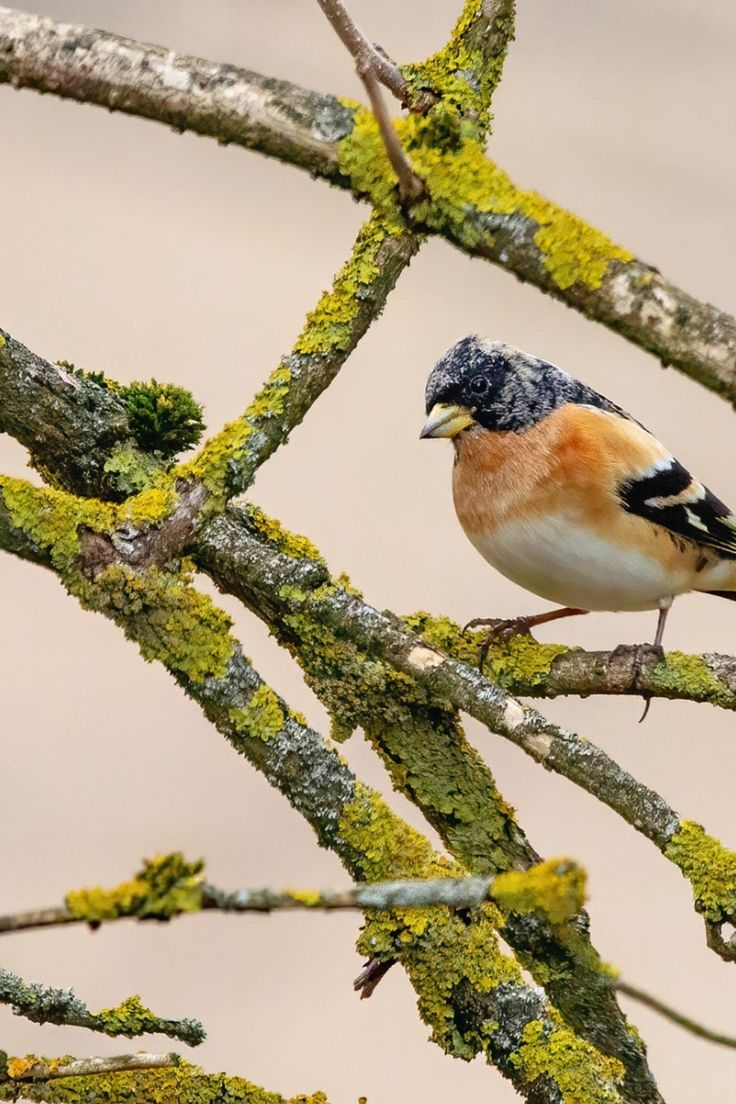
point(669, 495)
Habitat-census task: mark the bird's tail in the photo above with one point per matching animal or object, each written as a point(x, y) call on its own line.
point(730, 594)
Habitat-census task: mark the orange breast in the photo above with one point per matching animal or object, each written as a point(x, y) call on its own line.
point(571, 462)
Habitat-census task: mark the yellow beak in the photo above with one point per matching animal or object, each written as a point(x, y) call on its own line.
point(446, 420)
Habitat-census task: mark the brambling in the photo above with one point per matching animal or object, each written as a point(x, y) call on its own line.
point(567, 495)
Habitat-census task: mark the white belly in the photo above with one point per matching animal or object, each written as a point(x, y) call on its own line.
point(563, 563)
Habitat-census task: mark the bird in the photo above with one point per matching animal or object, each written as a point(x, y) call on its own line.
point(569, 496)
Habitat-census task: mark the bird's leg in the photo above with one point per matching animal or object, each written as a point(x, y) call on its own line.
point(639, 653)
point(506, 629)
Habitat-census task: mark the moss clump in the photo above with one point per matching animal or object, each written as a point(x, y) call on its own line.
point(710, 869)
point(171, 621)
point(164, 419)
point(582, 1074)
point(182, 1082)
point(263, 717)
point(165, 886)
point(555, 888)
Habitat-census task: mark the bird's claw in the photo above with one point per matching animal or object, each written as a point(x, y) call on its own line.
point(638, 655)
point(502, 630)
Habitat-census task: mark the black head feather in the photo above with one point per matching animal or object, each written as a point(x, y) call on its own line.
point(503, 388)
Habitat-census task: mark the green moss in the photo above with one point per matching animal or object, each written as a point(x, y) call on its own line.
point(291, 544)
point(709, 867)
point(164, 419)
point(555, 888)
point(182, 1082)
point(166, 886)
point(263, 717)
point(459, 176)
point(171, 621)
point(582, 1074)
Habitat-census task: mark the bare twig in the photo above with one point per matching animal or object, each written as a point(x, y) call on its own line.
point(37, 1069)
point(368, 58)
point(411, 187)
point(672, 1014)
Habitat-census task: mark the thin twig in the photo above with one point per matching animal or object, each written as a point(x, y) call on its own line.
point(411, 187)
point(21, 1069)
point(364, 52)
point(46, 1004)
point(672, 1014)
point(561, 878)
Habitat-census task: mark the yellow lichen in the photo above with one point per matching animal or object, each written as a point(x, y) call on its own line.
point(460, 177)
point(263, 717)
point(170, 620)
point(709, 867)
point(179, 1082)
point(291, 544)
point(555, 888)
point(581, 1073)
point(166, 886)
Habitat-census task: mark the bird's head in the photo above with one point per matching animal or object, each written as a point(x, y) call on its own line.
point(486, 384)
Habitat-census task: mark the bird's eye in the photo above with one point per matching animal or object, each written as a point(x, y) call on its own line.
point(479, 385)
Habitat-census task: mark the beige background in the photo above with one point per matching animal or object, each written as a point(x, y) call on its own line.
point(128, 248)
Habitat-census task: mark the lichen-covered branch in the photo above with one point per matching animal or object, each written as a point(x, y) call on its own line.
point(311, 613)
point(34, 1069)
point(168, 886)
point(423, 746)
point(466, 986)
point(471, 201)
point(44, 1004)
point(227, 463)
point(136, 1083)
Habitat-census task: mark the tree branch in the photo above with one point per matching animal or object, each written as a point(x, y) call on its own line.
point(535, 239)
point(183, 630)
point(36, 1069)
point(135, 1082)
point(44, 1004)
point(411, 187)
point(300, 602)
point(555, 888)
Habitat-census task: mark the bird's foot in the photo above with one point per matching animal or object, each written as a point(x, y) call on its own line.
point(502, 630)
point(638, 655)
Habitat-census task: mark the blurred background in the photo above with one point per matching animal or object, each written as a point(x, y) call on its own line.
point(131, 249)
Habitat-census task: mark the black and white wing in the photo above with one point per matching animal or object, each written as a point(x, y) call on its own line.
point(669, 496)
